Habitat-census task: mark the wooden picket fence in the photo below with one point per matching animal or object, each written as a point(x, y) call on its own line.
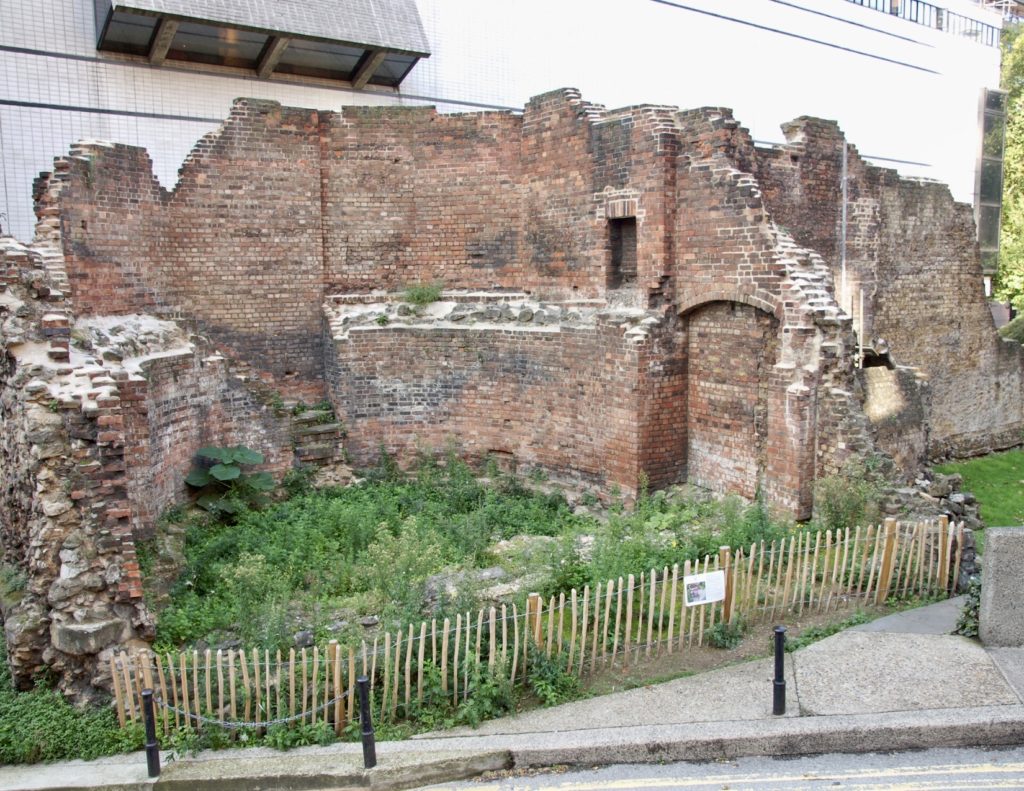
point(621, 621)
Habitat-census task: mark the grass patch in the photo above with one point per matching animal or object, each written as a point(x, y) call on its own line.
point(997, 481)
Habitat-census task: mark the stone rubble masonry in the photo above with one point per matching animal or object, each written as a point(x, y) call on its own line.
point(93, 450)
point(725, 349)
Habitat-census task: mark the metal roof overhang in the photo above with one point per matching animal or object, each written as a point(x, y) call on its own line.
point(360, 42)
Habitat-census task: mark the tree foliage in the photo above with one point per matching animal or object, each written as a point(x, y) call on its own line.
point(1010, 283)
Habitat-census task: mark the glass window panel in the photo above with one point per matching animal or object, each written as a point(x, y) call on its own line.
point(991, 181)
point(219, 45)
point(988, 227)
point(989, 261)
point(320, 59)
point(992, 143)
point(393, 70)
point(129, 33)
point(994, 100)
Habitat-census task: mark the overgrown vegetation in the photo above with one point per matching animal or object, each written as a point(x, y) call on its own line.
point(40, 725)
point(1009, 284)
point(968, 620)
point(320, 560)
point(815, 633)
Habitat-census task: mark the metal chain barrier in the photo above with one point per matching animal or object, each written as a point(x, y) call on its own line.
point(240, 724)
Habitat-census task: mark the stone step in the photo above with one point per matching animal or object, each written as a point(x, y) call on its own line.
point(311, 416)
point(317, 430)
point(316, 452)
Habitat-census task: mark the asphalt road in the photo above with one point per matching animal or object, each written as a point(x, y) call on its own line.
point(973, 769)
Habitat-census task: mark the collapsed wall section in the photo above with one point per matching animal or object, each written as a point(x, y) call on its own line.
point(236, 248)
point(906, 268)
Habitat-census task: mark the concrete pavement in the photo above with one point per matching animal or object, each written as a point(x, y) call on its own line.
point(904, 683)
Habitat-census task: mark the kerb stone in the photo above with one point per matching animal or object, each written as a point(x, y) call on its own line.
point(1002, 588)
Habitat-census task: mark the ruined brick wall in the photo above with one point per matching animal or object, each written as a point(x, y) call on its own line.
point(184, 402)
point(910, 275)
point(236, 247)
point(284, 208)
point(109, 207)
point(513, 390)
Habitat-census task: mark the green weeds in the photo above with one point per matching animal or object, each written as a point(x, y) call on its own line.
point(423, 293)
point(40, 725)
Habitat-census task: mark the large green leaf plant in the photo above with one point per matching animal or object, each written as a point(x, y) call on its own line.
point(224, 487)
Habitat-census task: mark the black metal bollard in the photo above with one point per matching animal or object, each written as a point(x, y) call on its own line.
point(152, 748)
point(366, 723)
point(779, 687)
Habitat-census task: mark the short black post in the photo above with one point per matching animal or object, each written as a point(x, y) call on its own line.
point(779, 687)
point(152, 748)
point(366, 723)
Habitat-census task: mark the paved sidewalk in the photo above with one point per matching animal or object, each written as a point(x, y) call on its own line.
point(901, 683)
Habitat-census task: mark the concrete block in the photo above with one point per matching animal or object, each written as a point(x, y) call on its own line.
point(1002, 587)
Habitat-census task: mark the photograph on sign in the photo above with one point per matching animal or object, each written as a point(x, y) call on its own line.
point(704, 588)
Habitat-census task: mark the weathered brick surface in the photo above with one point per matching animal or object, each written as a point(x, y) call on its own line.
point(747, 381)
point(186, 402)
point(730, 346)
point(525, 392)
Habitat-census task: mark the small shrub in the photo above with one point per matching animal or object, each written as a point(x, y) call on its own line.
point(848, 499)
point(727, 635)
point(282, 737)
point(423, 293)
point(548, 679)
point(490, 696)
point(967, 622)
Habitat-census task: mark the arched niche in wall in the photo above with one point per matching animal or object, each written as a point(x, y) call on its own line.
point(731, 350)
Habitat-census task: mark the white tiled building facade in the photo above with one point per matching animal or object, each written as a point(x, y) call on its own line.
point(902, 90)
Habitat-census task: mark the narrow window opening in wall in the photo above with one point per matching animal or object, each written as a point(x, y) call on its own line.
point(622, 239)
point(873, 359)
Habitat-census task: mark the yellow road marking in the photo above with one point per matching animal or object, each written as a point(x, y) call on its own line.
point(858, 776)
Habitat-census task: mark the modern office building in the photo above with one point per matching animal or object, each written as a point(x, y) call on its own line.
point(905, 79)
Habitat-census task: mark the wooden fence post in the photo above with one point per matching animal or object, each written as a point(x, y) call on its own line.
point(888, 561)
point(725, 562)
point(533, 613)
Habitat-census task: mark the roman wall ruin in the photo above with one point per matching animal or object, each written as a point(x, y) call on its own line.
point(631, 295)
